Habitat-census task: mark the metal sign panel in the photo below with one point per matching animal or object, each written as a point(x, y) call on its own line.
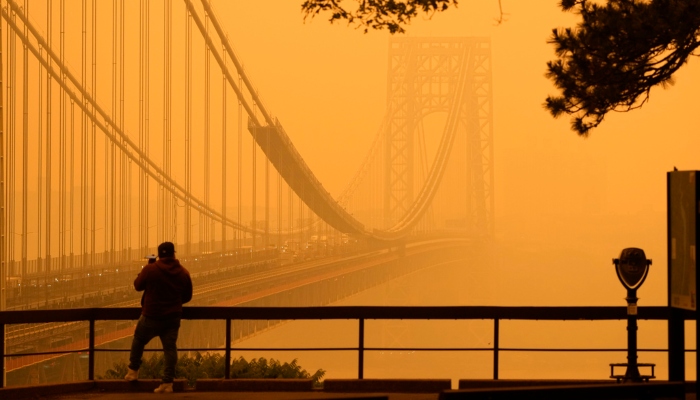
point(682, 238)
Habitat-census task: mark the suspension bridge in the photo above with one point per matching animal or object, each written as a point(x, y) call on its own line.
point(125, 127)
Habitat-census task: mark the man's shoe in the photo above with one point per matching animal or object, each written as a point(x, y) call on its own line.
point(132, 375)
point(164, 388)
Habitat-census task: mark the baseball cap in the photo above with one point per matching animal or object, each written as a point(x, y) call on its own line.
point(166, 249)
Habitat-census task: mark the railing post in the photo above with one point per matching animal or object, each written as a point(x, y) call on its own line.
point(361, 351)
point(2, 355)
point(676, 345)
point(91, 350)
point(227, 355)
point(495, 348)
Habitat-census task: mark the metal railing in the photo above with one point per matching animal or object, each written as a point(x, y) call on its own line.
point(358, 313)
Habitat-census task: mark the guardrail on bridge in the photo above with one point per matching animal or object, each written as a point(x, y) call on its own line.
point(359, 313)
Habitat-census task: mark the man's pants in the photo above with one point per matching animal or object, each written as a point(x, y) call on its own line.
point(147, 329)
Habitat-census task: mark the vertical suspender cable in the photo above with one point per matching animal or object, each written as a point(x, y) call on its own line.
point(224, 247)
point(126, 173)
point(163, 209)
point(168, 108)
point(12, 98)
point(3, 228)
point(266, 239)
point(62, 150)
point(90, 152)
point(3, 231)
point(279, 211)
point(188, 122)
point(160, 193)
point(64, 160)
point(49, 28)
point(71, 183)
point(108, 230)
point(291, 215)
point(91, 147)
point(204, 220)
point(143, 185)
point(142, 133)
point(40, 166)
point(142, 118)
point(160, 209)
point(240, 167)
point(301, 223)
point(83, 143)
point(145, 51)
point(71, 204)
point(10, 151)
point(147, 128)
point(113, 154)
point(167, 204)
point(254, 206)
point(25, 146)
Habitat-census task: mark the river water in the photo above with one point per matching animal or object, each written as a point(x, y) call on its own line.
point(506, 275)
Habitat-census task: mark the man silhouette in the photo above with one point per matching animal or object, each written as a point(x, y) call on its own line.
point(167, 286)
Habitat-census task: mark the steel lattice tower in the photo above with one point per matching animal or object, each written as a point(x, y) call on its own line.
point(422, 79)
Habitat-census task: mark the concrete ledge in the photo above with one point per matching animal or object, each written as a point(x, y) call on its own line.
point(387, 385)
point(690, 386)
point(511, 383)
point(254, 385)
point(608, 391)
point(24, 392)
point(141, 385)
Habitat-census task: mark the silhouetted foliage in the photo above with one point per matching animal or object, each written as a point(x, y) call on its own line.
point(376, 14)
point(616, 54)
point(608, 62)
point(260, 368)
point(212, 366)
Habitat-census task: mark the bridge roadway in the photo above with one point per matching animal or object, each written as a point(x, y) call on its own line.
point(239, 281)
point(209, 283)
point(106, 283)
point(256, 285)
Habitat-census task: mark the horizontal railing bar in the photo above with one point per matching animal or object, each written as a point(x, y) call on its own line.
point(294, 349)
point(45, 353)
point(427, 313)
point(510, 349)
point(353, 312)
point(242, 349)
point(535, 349)
point(436, 349)
point(359, 313)
point(128, 350)
point(426, 349)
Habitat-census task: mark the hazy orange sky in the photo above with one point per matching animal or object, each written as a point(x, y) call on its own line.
point(327, 84)
point(565, 205)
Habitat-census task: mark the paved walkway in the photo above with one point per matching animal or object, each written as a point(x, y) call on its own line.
point(285, 390)
point(242, 396)
point(251, 396)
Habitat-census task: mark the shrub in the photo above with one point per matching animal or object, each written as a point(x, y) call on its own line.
point(260, 368)
point(212, 366)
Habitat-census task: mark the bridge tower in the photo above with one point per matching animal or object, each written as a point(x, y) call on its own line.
point(422, 80)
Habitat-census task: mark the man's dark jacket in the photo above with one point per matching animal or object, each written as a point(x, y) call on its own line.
point(167, 286)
